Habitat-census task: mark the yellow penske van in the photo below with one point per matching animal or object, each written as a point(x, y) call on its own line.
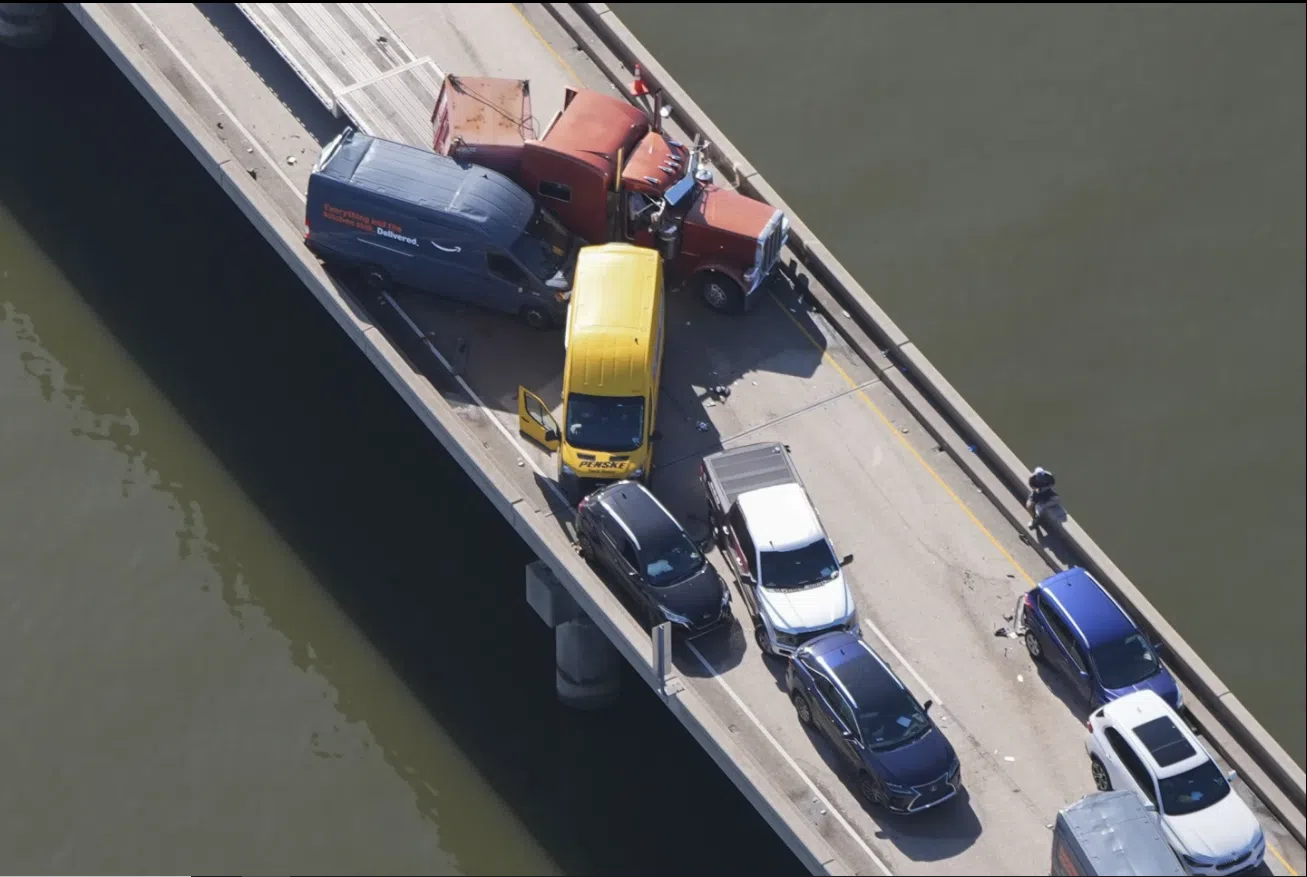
point(614, 341)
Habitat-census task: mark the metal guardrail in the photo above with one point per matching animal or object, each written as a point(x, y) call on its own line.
point(904, 368)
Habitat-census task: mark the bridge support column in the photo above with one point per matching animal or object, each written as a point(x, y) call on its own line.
point(587, 668)
point(27, 25)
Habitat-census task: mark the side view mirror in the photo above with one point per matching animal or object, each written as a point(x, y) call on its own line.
point(1231, 776)
point(1150, 806)
point(927, 705)
point(747, 578)
point(846, 560)
point(1084, 674)
point(656, 435)
point(551, 435)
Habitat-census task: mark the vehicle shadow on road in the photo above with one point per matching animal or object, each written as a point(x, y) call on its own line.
point(942, 832)
point(1063, 691)
point(255, 50)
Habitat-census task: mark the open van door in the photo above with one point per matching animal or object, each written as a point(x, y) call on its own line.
point(534, 420)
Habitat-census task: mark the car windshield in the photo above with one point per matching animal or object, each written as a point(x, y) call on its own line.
point(1125, 662)
point(670, 559)
point(1193, 790)
point(605, 423)
point(543, 246)
point(798, 567)
point(891, 722)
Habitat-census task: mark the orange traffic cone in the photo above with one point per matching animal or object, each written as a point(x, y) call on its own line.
point(638, 87)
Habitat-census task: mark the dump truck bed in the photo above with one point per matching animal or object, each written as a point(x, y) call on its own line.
point(731, 474)
point(483, 120)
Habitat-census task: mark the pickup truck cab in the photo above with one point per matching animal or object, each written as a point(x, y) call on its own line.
point(768, 531)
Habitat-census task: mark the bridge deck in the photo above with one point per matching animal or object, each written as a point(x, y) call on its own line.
point(937, 568)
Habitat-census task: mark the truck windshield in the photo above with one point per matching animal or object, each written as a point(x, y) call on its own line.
point(605, 423)
point(1193, 790)
point(798, 567)
point(543, 246)
point(1124, 662)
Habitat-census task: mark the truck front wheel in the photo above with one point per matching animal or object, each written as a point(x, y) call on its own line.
point(720, 293)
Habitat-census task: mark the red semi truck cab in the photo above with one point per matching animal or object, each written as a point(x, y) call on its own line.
point(608, 172)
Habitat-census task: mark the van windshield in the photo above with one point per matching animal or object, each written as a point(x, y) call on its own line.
point(605, 423)
point(543, 246)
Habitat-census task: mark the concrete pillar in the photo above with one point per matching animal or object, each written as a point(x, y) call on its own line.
point(27, 25)
point(587, 668)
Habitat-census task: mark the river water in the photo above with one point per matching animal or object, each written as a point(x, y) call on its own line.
point(252, 616)
point(1091, 219)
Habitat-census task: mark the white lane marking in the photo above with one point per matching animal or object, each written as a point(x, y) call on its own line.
point(226, 111)
point(812, 787)
point(503, 430)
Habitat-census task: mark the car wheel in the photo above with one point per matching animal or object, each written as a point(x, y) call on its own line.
point(537, 318)
point(872, 789)
point(760, 637)
point(720, 293)
point(1102, 781)
point(802, 709)
point(1033, 646)
point(587, 550)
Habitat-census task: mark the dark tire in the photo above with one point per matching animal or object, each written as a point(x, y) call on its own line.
point(1034, 648)
point(720, 293)
point(760, 637)
point(871, 789)
point(587, 552)
point(537, 318)
point(802, 709)
point(1102, 781)
point(376, 277)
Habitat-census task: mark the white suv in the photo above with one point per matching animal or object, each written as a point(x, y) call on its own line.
point(1138, 743)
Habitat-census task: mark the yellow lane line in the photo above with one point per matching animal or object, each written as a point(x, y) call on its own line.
point(544, 42)
point(825, 354)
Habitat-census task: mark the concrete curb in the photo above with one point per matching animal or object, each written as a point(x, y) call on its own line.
point(1272, 774)
point(542, 535)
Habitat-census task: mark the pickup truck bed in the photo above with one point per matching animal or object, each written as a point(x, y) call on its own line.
point(729, 475)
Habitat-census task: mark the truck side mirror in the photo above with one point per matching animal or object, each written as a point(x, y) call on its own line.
point(846, 560)
point(551, 435)
point(927, 705)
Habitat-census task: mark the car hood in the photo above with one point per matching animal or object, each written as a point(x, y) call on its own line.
point(1221, 831)
point(813, 607)
point(698, 598)
point(926, 758)
point(1162, 683)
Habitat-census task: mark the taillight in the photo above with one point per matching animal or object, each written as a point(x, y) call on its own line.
point(1089, 725)
point(1029, 601)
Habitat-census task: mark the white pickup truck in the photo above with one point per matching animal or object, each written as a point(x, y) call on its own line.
point(767, 529)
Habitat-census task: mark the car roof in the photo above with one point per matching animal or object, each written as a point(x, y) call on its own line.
point(855, 667)
point(1157, 734)
point(1090, 609)
point(780, 517)
point(639, 511)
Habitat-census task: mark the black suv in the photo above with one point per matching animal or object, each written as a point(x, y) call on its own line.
point(626, 532)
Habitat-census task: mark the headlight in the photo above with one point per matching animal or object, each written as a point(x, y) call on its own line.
point(726, 596)
point(638, 473)
point(675, 619)
point(854, 628)
point(566, 469)
point(1191, 861)
point(894, 789)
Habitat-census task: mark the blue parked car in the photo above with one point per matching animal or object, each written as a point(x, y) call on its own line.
point(1075, 627)
point(842, 689)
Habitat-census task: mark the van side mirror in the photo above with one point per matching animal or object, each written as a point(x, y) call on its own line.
point(551, 435)
point(927, 705)
point(1150, 806)
point(846, 560)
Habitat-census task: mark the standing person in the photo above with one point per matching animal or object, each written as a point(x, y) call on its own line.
point(1041, 483)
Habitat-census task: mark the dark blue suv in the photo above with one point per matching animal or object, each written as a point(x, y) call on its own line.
point(843, 689)
point(1075, 627)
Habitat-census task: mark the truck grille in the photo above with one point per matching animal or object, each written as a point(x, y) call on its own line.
point(770, 242)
